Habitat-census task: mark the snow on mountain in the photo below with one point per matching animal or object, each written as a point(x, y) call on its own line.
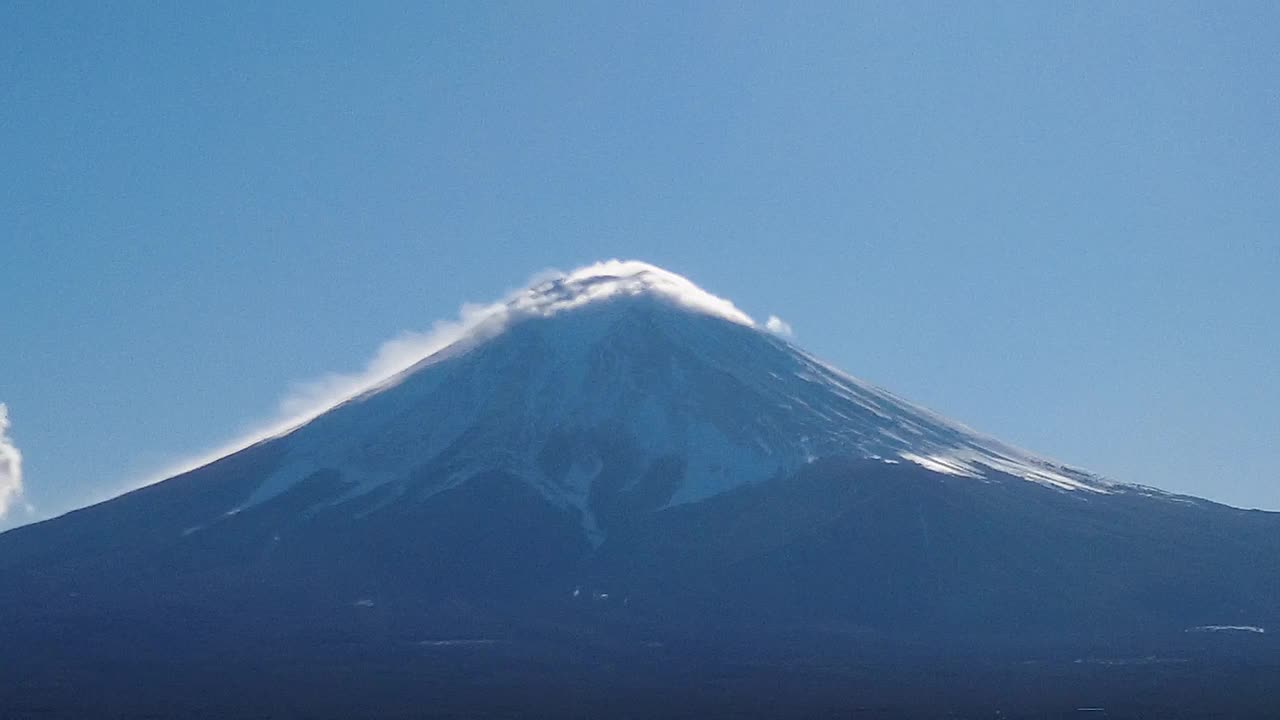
point(626, 370)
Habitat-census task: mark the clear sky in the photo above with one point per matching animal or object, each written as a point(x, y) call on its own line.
point(1056, 222)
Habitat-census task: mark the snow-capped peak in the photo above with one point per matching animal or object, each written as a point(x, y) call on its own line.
point(625, 375)
point(611, 278)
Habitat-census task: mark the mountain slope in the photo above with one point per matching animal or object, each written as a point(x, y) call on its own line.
point(613, 459)
point(592, 372)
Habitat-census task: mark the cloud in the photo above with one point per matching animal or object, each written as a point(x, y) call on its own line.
point(631, 277)
point(305, 400)
point(778, 326)
point(309, 398)
point(547, 293)
point(10, 466)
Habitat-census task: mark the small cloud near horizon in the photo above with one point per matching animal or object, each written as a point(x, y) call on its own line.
point(10, 466)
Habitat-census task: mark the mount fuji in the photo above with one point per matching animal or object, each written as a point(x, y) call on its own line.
point(616, 468)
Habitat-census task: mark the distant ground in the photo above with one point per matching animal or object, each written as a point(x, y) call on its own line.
point(494, 679)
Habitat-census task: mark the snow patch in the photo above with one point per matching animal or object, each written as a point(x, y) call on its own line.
point(622, 277)
point(1228, 628)
point(942, 464)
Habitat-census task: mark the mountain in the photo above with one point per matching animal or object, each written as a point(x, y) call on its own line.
point(615, 468)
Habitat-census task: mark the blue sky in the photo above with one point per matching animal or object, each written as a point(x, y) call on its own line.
point(1057, 223)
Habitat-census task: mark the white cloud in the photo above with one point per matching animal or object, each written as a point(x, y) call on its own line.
point(10, 466)
point(778, 326)
point(630, 277)
point(543, 297)
point(307, 399)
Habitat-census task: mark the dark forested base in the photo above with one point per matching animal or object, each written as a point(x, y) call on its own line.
point(502, 679)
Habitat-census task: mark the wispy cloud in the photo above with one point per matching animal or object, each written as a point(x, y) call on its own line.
point(307, 399)
point(10, 466)
point(778, 326)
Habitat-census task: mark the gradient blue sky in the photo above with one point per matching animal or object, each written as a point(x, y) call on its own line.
point(1056, 222)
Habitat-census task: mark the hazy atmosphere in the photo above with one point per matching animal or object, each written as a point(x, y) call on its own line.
point(1057, 225)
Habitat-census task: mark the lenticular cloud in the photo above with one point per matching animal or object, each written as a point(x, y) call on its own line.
point(10, 465)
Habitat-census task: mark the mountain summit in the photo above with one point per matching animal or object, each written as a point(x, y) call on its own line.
point(626, 376)
point(616, 459)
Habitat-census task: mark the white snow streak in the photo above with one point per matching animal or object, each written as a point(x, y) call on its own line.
point(1228, 628)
